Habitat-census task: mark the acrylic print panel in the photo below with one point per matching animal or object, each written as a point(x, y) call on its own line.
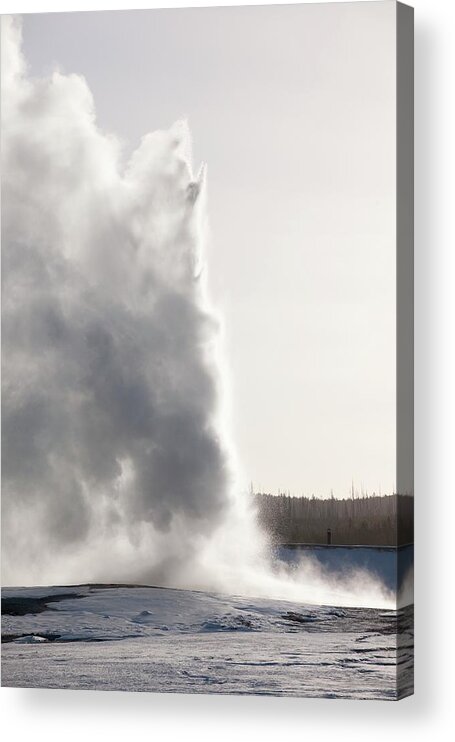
point(207, 368)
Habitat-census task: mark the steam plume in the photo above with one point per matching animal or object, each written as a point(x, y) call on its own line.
point(109, 391)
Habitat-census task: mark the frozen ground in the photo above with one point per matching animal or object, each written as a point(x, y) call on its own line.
point(156, 639)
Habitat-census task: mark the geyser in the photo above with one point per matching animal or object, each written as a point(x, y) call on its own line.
point(109, 379)
point(116, 462)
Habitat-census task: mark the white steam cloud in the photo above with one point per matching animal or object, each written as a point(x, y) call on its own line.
point(109, 395)
point(116, 465)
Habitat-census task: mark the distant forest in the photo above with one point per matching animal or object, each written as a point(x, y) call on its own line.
point(385, 520)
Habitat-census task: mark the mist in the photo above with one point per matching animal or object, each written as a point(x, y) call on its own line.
point(118, 464)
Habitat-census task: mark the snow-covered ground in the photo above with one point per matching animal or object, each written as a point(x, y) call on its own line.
point(157, 639)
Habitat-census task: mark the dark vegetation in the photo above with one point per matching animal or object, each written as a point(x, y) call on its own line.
point(385, 520)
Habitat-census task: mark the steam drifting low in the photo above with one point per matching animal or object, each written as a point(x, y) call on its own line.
point(116, 465)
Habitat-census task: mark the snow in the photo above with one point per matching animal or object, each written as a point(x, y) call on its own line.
point(32, 639)
point(157, 639)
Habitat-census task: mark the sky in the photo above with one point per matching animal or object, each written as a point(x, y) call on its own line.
point(293, 110)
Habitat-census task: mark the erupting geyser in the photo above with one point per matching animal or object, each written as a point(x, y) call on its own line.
point(116, 464)
point(110, 382)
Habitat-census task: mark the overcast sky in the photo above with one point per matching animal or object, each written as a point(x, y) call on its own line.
point(293, 110)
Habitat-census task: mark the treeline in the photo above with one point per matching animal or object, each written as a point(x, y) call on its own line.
point(385, 520)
